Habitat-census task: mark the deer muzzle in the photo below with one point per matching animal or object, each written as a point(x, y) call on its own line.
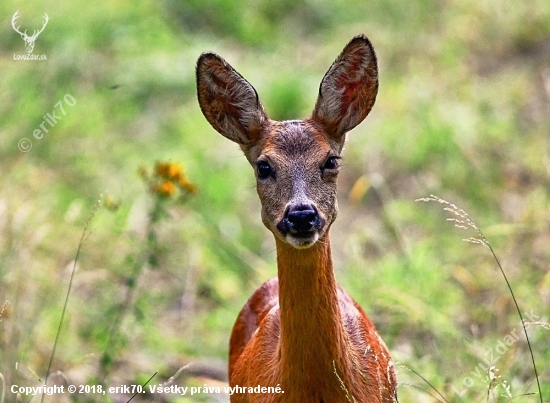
point(300, 224)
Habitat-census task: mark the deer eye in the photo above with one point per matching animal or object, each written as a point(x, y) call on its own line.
point(264, 170)
point(331, 163)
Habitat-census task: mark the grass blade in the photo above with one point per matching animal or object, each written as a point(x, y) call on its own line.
point(80, 243)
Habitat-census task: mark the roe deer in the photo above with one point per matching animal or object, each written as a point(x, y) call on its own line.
point(300, 331)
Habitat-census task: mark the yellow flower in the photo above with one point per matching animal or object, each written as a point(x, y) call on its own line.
point(161, 169)
point(169, 170)
point(186, 185)
point(167, 178)
point(166, 188)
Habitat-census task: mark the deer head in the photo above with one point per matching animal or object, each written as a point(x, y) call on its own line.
point(29, 40)
point(296, 162)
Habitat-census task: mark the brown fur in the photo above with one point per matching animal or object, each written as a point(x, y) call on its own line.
point(301, 331)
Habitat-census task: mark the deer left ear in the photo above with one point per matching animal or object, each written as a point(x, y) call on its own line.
point(229, 102)
point(348, 90)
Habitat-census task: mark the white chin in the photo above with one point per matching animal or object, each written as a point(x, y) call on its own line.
point(302, 243)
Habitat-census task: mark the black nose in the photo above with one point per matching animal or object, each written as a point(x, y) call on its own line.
point(300, 220)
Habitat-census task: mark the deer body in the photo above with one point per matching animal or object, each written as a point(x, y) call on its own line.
point(300, 331)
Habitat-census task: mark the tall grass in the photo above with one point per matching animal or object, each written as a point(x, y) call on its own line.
point(462, 220)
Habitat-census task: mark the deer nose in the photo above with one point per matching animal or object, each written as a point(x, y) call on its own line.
point(300, 219)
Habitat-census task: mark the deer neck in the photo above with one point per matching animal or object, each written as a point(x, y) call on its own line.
point(313, 342)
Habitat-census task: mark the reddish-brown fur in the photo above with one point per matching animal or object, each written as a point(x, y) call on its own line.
point(300, 331)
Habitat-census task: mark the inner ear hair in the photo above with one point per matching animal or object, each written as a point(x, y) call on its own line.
point(229, 102)
point(348, 89)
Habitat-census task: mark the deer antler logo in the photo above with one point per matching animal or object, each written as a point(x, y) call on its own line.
point(29, 40)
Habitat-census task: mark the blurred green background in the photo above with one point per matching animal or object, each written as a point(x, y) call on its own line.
point(463, 112)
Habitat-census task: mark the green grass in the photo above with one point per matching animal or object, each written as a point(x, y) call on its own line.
point(463, 112)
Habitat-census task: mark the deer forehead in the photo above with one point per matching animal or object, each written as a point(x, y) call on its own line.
point(296, 140)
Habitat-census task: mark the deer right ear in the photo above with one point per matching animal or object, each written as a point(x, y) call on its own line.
point(228, 101)
point(348, 90)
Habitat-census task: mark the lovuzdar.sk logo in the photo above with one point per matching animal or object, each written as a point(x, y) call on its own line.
point(29, 39)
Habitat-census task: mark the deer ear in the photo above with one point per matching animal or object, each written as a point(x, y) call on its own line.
point(228, 101)
point(348, 90)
